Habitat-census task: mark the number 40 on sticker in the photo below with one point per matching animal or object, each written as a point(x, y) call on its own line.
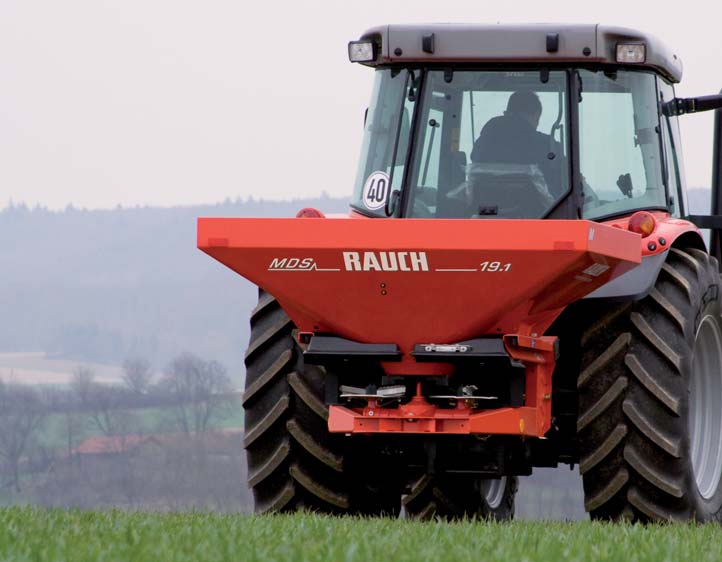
point(375, 190)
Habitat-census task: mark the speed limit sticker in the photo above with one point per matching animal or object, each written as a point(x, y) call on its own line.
point(375, 190)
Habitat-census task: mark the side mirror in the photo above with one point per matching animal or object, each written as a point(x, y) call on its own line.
point(680, 106)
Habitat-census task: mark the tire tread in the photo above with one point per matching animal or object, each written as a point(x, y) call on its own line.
point(633, 401)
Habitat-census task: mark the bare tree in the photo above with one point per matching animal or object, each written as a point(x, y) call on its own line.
point(65, 403)
point(137, 375)
point(200, 391)
point(73, 429)
point(21, 413)
point(82, 383)
point(106, 411)
point(104, 404)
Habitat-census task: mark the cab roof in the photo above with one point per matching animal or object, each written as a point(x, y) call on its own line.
point(517, 43)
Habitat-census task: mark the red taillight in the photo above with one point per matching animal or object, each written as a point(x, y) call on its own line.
point(310, 213)
point(642, 223)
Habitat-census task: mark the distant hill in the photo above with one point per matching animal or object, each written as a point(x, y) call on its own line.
point(109, 284)
point(105, 285)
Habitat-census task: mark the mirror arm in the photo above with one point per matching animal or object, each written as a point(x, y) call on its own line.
point(712, 222)
point(681, 106)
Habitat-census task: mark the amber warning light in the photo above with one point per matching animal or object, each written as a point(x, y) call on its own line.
point(310, 213)
point(642, 223)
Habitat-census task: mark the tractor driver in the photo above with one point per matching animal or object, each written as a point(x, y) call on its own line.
point(513, 138)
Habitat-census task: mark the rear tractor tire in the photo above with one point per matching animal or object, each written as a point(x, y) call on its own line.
point(294, 463)
point(650, 400)
point(452, 497)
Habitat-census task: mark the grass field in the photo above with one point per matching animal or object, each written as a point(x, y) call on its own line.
point(40, 535)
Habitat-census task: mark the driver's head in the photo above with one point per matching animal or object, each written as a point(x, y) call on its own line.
point(525, 104)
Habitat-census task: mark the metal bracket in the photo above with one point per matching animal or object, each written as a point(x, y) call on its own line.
point(329, 349)
point(713, 222)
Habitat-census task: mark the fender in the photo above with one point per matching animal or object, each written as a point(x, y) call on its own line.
point(638, 282)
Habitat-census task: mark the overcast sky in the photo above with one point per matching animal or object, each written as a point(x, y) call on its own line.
point(168, 102)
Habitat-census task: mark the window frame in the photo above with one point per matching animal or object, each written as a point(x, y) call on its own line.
point(670, 123)
point(406, 201)
point(569, 204)
point(662, 160)
point(381, 213)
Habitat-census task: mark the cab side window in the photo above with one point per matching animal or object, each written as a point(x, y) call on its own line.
point(672, 154)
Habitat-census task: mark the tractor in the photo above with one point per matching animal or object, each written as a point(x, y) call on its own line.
point(518, 284)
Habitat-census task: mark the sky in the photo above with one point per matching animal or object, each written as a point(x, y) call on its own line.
point(171, 102)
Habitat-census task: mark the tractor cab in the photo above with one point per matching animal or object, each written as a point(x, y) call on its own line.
point(565, 122)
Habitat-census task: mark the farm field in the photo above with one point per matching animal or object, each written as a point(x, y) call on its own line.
point(37, 368)
point(40, 535)
point(52, 433)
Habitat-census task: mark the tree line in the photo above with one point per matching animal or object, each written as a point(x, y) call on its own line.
point(152, 440)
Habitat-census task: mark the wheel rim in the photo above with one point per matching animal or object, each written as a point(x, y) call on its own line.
point(705, 417)
point(492, 490)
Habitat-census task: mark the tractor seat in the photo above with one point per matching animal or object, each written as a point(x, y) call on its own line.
point(507, 191)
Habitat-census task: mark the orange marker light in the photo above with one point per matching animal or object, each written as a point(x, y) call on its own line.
point(310, 212)
point(642, 223)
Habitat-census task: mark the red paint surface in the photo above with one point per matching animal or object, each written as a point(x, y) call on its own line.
point(548, 260)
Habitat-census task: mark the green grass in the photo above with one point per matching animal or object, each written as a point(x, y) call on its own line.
point(55, 535)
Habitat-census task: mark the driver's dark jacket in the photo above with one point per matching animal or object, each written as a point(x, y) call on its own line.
point(510, 139)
